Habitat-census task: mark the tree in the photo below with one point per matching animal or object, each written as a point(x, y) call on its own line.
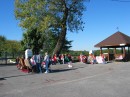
point(37, 42)
point(12, 46)
point(32, 39)
point(2, 43)
point(58, 16)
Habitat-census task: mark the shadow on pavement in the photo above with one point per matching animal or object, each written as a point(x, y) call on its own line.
point(4, 78)
point(63, 70)
point(3, 65)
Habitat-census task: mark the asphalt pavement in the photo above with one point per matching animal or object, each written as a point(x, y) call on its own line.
point(82, 80)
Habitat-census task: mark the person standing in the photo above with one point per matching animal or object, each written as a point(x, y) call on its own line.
point(70, 61)
point(81, 58)
point(55, 59)
point(37, 59)
point(62, 58)
point(28, 53)
point(47, 60)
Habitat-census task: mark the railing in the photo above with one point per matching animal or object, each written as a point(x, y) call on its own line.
point(7, 61)
point(9, 58)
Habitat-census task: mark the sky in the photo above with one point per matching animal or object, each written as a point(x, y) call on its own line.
point(101, 18)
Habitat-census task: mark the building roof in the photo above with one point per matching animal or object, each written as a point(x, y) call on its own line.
point(116, 40)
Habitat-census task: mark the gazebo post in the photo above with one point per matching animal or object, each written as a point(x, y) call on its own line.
point(128, 53)
point(128, 49)
point(124, 52)
point(108, 54)
point(100, 50)
point(114, 51)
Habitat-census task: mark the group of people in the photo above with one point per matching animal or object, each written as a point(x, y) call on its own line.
point(39, 64)
point(62, 59)
point(34, 63)
point(92, 59)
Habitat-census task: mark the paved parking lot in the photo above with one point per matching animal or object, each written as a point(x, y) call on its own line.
point(83, 80)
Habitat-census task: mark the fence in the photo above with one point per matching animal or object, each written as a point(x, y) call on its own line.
point(9, 58)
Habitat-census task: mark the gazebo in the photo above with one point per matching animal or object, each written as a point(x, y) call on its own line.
point(117, 40)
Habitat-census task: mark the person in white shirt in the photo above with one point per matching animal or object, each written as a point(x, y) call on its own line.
point(28, 53)
point(81, 58)
point(47, 60)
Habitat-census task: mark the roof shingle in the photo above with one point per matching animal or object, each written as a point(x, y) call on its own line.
point(116, 39)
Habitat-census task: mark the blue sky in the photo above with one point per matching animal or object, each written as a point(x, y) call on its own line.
point(101, 20)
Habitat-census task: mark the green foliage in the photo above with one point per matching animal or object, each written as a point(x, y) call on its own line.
point(111, 51)
point(40, 42)
point(32, 39)
point(2, 42)
point(50, 16)
point(66, 46)
point(10, 46)
point(77, 53)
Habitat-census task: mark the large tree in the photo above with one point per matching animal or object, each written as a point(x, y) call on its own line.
point(58, 16)
point(37, 42)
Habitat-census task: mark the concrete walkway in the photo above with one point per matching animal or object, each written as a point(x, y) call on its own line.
point(83, 80)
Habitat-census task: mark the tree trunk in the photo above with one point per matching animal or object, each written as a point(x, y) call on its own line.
point(62, 35)
point(60, 42)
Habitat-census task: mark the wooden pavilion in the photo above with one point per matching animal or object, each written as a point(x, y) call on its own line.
point(117, 40)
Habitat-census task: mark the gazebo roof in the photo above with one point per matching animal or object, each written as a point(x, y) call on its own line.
point(116, 40)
